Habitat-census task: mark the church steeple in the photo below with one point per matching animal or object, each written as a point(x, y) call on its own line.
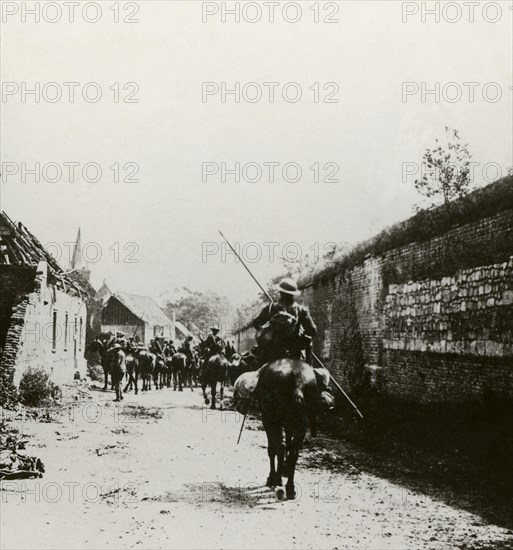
point(76, 258)
point(77, 262)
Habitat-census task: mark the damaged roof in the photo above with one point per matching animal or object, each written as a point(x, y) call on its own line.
point(19, 247)
point(143, 307)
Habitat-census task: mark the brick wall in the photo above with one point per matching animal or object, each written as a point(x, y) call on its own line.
point(16, 284)
point(430, 320)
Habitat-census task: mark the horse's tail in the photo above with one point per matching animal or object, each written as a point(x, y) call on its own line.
point(305, 397)
point(130, 364)
point(311, 395)
point(179, 360)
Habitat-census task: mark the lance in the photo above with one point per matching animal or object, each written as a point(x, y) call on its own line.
point(337, 385)
point(241, 428)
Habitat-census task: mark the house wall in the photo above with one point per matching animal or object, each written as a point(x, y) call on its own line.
point(29, 339)
point(63, 354)
point(161, 331)
point(143, 333)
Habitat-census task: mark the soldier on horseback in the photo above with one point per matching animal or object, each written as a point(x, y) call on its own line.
point(170, 349)
point(186, 349)
point(214, 344)
point(286, 328)
point(156, 348)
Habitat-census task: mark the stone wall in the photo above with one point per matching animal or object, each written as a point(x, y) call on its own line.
point(425, 321)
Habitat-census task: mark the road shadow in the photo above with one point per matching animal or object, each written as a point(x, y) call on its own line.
point(461, 455)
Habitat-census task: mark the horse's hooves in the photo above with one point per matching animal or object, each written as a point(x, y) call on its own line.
point(213, 406)
point(207, 401)
point(291, 493)
point(274, 481)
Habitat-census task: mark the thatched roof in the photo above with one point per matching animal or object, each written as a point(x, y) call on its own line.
point(143, 307)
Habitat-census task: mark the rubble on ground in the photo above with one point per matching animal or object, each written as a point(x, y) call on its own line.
point(13, 464)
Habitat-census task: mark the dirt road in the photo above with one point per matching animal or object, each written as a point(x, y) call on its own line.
point(161, 471)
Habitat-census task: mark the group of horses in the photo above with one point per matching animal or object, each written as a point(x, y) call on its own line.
point(157, 371)
point(163, 371)
point(286, 391)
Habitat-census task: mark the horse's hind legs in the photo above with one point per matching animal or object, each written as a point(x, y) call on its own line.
point(296, 439)
point(213, 389)
point(203, 389)
point(275, 450)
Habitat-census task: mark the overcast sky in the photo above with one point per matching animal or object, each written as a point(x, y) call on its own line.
point(170, 213)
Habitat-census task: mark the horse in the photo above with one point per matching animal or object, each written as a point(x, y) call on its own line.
point(132, 371)
point(167, 371)
point(288, 396)
point(178, 367)
point(147, 362)
point(195, 366)
point(159, 372)
point(214, 370)
point(99, 346)
point(188, 372)
point(239, 364)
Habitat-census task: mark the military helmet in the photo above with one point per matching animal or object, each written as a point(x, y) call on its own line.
point(288, 286)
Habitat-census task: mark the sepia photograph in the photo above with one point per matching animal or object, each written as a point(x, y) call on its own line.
point(256, 275)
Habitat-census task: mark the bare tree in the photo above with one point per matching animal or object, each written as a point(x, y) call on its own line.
point(446, 171)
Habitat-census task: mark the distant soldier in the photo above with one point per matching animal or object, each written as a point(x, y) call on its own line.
point(121, 339)
point(117, 369)
point(186, 348)
point(156, 348)
point(170, 349)
point(131, 346)
point(109, 339)
point(286, 327)
point(214, 344)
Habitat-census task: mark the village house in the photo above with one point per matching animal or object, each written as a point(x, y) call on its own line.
point(136, 316)
point(42, 311)
point(103, 293)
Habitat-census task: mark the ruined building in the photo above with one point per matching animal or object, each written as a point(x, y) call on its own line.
point(43, 311)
